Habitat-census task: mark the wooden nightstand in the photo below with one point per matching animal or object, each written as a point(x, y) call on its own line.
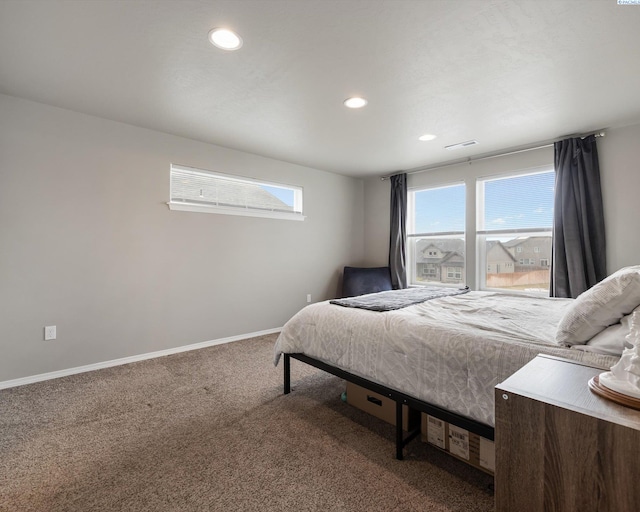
point(560, 447)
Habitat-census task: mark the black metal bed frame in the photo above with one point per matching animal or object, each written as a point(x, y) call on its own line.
point(398, 397)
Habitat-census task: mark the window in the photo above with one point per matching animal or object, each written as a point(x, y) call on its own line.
point(435, 232)
point(204, 191)
point(454, 273)
point(515, 216)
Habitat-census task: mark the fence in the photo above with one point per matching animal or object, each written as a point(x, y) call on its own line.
point(520, 280)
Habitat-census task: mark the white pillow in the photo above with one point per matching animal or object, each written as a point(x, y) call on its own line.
point(612, 340)
point(602, 305)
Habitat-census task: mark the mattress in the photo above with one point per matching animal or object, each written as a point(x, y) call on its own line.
point(450, 352)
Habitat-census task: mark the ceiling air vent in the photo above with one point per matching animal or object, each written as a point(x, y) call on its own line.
point(462, 144)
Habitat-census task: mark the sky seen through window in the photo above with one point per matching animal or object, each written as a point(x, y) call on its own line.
point(515, 203)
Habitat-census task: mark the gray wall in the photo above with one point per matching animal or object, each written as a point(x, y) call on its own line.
point(87, 243)
point(377, 197)
point(620, 174)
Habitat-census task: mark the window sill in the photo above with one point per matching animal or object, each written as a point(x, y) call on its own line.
point(527, 293)
point(436, 283)
point(235, 211)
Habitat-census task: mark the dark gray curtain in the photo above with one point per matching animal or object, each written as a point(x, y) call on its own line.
point(578, 258)
point(398, 238)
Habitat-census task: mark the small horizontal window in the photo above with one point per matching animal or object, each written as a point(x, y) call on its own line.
point(197, 190)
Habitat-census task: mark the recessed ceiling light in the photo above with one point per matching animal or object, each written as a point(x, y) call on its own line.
point(355, 102)
point(225, 39)
point(427, 136)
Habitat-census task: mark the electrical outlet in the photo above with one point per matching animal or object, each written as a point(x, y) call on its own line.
point(50, 332)
point(308, 298)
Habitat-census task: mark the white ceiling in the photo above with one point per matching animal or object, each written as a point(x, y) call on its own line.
point(509, 73)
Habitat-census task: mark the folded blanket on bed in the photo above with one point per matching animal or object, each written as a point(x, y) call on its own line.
point(397, 299)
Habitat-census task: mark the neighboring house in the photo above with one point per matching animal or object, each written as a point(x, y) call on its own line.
point(499, 259)
point(520, 263)
point(212, 190)
point(440, 260)
point(530, 253)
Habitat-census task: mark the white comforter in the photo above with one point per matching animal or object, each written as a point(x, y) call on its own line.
point(450, 352)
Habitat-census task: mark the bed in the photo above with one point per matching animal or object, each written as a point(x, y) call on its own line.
point(444, 356)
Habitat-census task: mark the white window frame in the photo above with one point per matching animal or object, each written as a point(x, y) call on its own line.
point(248, 211)
point(411, 236)
point(482, 233)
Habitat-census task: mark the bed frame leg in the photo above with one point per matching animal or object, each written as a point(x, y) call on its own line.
point(287, 374)
point(399, 434)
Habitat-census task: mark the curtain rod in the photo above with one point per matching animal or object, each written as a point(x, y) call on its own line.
point(471, 159)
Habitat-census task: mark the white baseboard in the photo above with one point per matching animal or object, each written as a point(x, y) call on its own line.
point(131, 359)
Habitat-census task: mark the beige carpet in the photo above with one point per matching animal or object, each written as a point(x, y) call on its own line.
point(211, 430)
